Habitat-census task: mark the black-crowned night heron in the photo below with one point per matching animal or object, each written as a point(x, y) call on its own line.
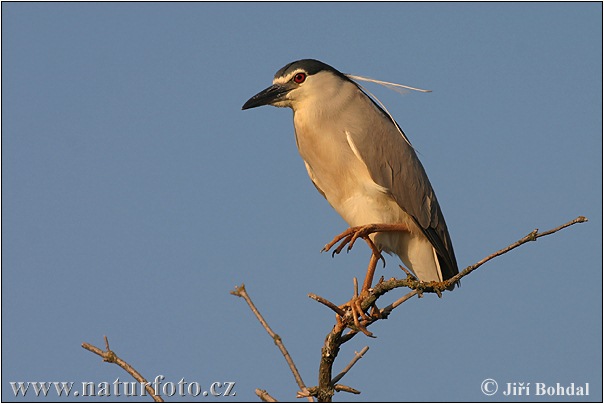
point(362, 163)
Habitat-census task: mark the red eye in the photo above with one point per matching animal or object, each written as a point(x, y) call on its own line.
point(299, 78)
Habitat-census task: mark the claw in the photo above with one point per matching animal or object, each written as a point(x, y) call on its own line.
point(358, 234)
point(350, 236)
point(341, 246)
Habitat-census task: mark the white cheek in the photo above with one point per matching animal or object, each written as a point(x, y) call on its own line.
point(282, 104)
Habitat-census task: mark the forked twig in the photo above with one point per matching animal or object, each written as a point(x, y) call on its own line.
point(111, 357)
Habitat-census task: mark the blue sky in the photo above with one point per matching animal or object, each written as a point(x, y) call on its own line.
point(136, 194)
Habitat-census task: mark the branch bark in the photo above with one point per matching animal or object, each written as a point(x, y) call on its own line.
point(111, 357)
point(357, 356)
point(264, 396)
point(241, 292)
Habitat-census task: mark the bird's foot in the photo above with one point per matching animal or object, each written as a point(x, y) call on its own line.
point(359, 317)
point(351, 235)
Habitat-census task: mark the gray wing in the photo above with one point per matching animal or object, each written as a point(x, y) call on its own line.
point(393, 164)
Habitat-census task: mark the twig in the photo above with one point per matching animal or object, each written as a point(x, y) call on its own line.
point(111, 357)
point(405, 270)
point(532, 236)
point(241, 292)
point(341, 387)
point(264, 396)
point(420, 287)
point(388, 309)
point(327, 303)
point(357, 356)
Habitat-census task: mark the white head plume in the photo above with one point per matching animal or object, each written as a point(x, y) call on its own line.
point(399, 88)
point(392, 86)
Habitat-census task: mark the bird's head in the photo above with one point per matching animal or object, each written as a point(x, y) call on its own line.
point(299, 83)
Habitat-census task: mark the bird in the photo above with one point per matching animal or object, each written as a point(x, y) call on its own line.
point(363, 164)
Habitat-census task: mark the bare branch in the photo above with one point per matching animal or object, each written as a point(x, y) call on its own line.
point(264, 396)
point(111, 357)
point(329, 352)
point(388, 309)
point(241, 292)
point(341, 387)
point(532, 236)
point(327, 303)
point(433, 287)
point(335, 339)
point(357, 356)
